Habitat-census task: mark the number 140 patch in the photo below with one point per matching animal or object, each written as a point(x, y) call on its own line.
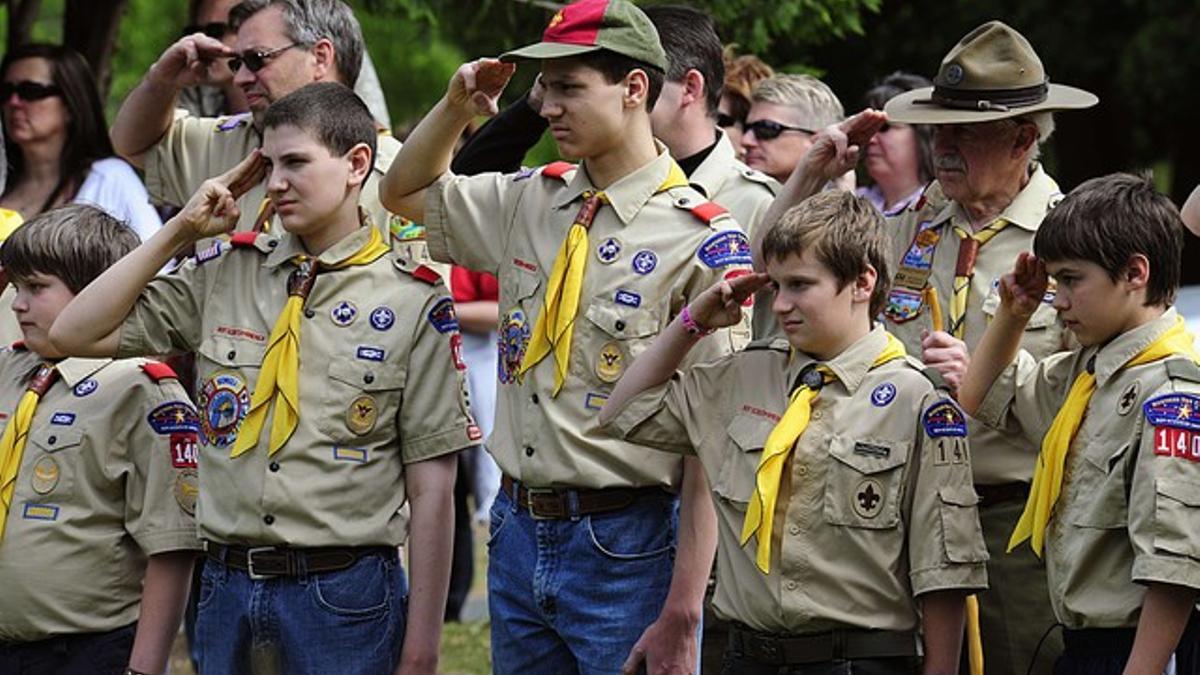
point(1176, 422)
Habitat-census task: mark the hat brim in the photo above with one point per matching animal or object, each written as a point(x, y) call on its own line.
point(915, 107)
point(546, 50)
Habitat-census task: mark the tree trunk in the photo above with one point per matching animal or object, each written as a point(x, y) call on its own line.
point(21, 15)
point(90, 28)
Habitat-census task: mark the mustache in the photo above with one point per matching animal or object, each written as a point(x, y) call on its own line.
point(949, 163)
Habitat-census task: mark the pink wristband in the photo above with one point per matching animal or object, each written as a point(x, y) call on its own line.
point(690, 325)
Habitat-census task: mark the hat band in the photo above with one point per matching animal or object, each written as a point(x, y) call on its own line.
point(1000, 100)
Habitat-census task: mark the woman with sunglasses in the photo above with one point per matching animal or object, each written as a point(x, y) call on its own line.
point(899, 158)
point(57, 140)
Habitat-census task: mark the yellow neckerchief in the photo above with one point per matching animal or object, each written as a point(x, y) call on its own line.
point(1048, 474)
point(279, 378)
point(555, 325)
point(9, 221)
point(12, 443)
point(964, 270)
point(760, 516)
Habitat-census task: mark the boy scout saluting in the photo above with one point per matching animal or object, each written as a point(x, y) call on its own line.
point(592, 262)
point(97, 474)
point(1115, 505)
point(316, 429)
point(829, 528)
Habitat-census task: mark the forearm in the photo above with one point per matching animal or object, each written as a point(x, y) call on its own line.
point(655, 365)
point(943, 614)
point(480, 316)
point(999, 346)
point(430, 548)
point(164, 596)
point(425, 156)
point(696, 548)
point(1165, 612)
point(143, 118)
point(88, 325)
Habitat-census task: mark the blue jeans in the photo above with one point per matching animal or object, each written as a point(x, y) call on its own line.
point(349, 622)
point(573, 596)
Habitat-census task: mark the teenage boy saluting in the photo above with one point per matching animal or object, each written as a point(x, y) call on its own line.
point(593, 262)
point(840, 472)
point(1115, 507)
point(97, 474)
point(328, 395)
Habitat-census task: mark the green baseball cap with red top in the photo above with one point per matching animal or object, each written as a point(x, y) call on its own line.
point(591, 25)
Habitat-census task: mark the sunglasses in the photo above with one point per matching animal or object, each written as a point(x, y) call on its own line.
point(724, 120)
point(27, 90)
point(215, 30)
point(765, 130)
point(255, 60)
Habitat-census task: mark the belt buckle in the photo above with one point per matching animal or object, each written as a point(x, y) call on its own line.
point(530, 493)
point(250, 562)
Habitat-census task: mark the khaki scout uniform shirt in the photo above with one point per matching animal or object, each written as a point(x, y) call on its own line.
point(381, 386)
point(108, 477)
point(999, 458)
point(645, 264)
point(1129, 511)
point(195, 149)
point(870, 515)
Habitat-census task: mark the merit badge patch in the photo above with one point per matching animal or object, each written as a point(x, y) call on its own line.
point(344, 313)
point(868, 498)
point(644, 261)
point(403, 229)
point(223, 403)
point(902, 305)
point(187, 489)
point(45, 475)
point(725, 248)
point(40, 512)
point(367, 353)
point(1176, 422)
point(382, 318)
point(883, 394)
point(184, 452)
point(594, 401)
point(356, 455)
point(610, 362)
point(1129, 398)
point(361, 415)
point(86, 387)
point(511, 342)
point(609, 250)
point(172, 417)
point(627, 298)
point(64, 419)
point(441, 317)
point(944, 419)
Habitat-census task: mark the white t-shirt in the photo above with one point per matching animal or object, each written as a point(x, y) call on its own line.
point(115, 187)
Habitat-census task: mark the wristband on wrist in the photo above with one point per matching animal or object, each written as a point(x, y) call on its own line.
point(689, 324)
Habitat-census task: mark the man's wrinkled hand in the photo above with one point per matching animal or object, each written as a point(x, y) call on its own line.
point(946, 354)
point(836, 148)
point(192, 60)
point(667, 647)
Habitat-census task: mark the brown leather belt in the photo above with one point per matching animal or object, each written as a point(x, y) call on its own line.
point(265, 562)
point(556, 503)
point(786, 650)
point(990, 495)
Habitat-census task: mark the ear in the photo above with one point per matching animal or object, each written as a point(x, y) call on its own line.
point(637, 88)
point(325, 62)
point(360, 164)
point(1136, 275)
point(864, 285)
point(1027, 135)
point(693, 88)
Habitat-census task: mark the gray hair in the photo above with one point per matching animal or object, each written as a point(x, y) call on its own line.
point(817, 103)
point(1044, 121)
point(309, 21)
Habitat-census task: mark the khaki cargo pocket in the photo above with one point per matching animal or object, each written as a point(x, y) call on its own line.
point(1176, 512)
point(865, 483)
point(735, 480)
point(361, 399)
point(961, 531)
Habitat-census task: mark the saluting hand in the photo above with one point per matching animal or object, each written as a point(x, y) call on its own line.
point(476, 86)
point(213, 209)
point(835, 149)
point(720, 305)
point(190, 61)
point(1022, 289)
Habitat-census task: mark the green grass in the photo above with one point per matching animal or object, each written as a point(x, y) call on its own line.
point(465, 649)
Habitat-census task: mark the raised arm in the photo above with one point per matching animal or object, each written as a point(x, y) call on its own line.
point(89, 324)
point(501, 144)
point(147, 112)
point(473, 90)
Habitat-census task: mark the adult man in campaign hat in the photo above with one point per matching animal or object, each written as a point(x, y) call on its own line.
point(991, 106)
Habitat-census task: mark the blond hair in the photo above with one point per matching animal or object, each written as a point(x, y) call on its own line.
point(818, 105)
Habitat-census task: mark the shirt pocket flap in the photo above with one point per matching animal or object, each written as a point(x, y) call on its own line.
point(1185, 493)
point(367, 377)
point(749, 432)
point(232, 353)
point(958, 495)
point(520, 284)
point(52, 439)
point(869, 456)
point(735, 478)
point(621, 322)
point(1101, 455)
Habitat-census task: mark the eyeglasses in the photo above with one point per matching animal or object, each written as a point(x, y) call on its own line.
point(27, 90)
point(256, 60)
point(765, 130)
point(215, 30)
point(724, 120)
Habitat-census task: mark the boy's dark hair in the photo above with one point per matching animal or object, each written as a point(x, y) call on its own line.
point(691, 43)
point(845, 233)
point(331, 112)
point(614, 67)
point(75, 243)
point(1108, 220)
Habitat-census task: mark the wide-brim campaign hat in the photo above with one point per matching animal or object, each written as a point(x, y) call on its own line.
point(991, 74)
point(591, 25)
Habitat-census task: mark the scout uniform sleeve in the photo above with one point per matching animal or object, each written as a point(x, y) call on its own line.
point(1027, 395)
point(945, 541)
point(167, 316)
point(162, 486)
point(434, 418)
point(469, 218)
point(676, 415)
point(1164, 499)
point(193, 150)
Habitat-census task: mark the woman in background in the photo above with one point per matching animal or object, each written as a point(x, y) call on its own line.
point(899, 159)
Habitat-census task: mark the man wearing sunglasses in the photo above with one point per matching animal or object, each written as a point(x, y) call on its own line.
point(280, 46)
point(785, 112)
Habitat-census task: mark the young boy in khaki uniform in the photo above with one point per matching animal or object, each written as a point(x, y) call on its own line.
point(314, 431)
point(840, 472)
point(593, 261)
point(97, 474)
point(1114, 507)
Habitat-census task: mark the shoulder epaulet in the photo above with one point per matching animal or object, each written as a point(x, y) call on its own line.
point(158, 371)
point(244, 239)
point(774, 344)
point(427, 274)
point(232, 122)
point(19, 345)
point(756, 176)
point(557, 169)
point(936, 378)
point(1183, 368)
point(709, 211)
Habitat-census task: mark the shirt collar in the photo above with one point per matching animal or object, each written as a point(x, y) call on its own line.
point(710, 176)
point(290, 246)
point(628, 195)
point(75, 370)
point(1113, 356)
point(852, 365)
